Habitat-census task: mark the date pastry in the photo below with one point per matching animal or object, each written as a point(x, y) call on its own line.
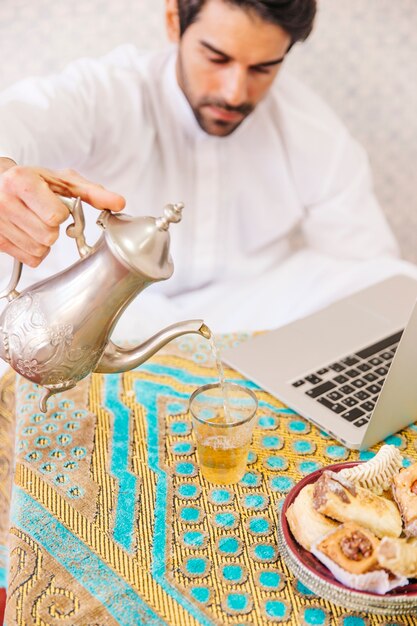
point(377, 473)
point(306, 524)
point(341, 500)
point(349, 552)
point(399, 556)
point(352, 547)
point(404, 489)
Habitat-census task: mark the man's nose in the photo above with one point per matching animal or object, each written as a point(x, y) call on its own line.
point(235, 87)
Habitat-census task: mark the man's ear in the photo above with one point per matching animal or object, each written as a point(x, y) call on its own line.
point(172, 20)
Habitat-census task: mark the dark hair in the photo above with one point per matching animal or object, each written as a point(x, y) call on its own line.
point(296, 17)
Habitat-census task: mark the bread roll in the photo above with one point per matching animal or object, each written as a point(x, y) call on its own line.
point(306, 524)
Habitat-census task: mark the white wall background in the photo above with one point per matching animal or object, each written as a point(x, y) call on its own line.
point(38, 36)
point(362, 58)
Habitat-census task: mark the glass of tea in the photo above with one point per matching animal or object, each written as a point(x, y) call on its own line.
point(223, 417)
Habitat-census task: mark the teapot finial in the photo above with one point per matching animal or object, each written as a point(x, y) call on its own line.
point(172, 213)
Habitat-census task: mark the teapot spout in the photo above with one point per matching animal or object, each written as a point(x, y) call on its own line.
point(117, 359)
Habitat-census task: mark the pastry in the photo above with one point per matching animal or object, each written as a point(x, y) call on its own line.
point(399, 556)
point(352, 547)
point(377, 473)
point(404, 488)
point(341, 500)
point(349, 552)
point(306, 524)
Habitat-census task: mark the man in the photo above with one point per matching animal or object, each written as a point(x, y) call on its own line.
point(205, 122)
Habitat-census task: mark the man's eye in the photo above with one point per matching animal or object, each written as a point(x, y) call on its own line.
point(218, 60)
point(261, 70)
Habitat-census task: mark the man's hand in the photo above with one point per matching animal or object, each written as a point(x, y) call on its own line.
point(31, 212)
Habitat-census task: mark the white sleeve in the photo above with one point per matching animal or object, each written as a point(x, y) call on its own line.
point(347, 221)
point(342, 217)
point(48, 121)
point(72, 119)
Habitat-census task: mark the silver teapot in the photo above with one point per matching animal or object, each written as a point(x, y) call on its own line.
point(58, 331)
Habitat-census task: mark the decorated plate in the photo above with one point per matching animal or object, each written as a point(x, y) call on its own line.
point(314, 575)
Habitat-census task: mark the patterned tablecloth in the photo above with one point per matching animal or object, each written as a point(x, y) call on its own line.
point(111, 522)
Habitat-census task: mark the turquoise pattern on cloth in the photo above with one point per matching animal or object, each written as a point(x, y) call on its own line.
point(109, 502)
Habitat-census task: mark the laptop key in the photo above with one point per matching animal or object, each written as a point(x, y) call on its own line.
point(386, 355)
point(349, 401)
point(333, 406)
point(347, 389)
point(373, 388)
point(361, 422)
point(298, 383)
point(320, 389)
point(340, 379)
point(323, 370)
point(375, 361)
point(371, 377)
point(380, 345)
point(350, 360)
point(364, 367)
point(352, 373)
point(368, 405)
point(362, 395)
point(359, 383)
point(334, 395)
point(353, 414)
point(337, 367)
point(382, 371)
point(313, 379)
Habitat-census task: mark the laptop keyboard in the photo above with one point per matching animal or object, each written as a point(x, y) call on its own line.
point(350, 387)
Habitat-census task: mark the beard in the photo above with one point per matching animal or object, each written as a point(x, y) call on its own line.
point(218, 126)
point(201, 107)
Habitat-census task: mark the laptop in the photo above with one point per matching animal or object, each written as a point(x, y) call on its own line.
point(350, 368)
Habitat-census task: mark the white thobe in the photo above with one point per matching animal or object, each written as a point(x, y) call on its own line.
point(123, 121)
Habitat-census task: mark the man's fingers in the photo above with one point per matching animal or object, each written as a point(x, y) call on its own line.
point(29, 255)
point(25, 184)
point(31, 211)
point(22, 240)
point(14, 211)
point(71, 184)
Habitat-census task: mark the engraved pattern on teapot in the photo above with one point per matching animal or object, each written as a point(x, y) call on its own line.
point(50, 355)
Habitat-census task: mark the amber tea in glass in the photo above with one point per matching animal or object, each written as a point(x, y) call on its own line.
point(223, 421)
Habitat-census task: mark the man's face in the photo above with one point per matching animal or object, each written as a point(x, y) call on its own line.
point(227, 61)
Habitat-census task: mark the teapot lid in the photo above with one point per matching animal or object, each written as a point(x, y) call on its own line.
point(142, 243)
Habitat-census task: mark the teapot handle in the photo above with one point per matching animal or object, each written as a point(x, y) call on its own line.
point(10, 291)
point(75, 230)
